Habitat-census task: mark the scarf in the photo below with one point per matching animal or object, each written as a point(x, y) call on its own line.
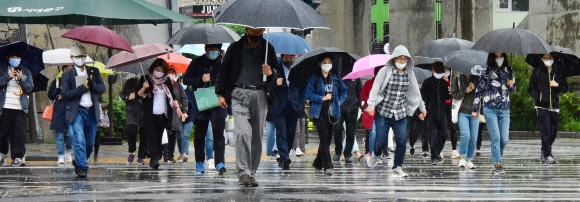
point(161, 83)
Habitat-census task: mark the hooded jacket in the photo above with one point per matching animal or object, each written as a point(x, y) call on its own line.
point(414, 99)
point(539, 89)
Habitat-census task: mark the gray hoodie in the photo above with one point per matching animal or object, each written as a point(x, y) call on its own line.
point(414, 99)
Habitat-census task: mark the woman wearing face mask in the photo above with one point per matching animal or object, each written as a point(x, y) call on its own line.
point(495, 85)
point(58, 123)
point(158, 104)
point(177, 120)
point(545, 87)
point(326, 92)
point(450, 124)
point(464, 88)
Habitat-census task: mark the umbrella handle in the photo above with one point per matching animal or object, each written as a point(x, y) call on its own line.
point(266, 58)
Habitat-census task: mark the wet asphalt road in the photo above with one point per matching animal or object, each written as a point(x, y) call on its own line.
point(525, 179)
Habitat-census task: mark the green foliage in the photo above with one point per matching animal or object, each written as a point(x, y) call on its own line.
point(241, 30)
point(49, 142)
point(119, 116)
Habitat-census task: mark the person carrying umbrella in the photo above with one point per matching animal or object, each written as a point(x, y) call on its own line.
point(58, 123)
point(240, 84)
point(545, 87)
point(83, 102)
point(495, 85)
point(16, 83)
point(177, 119)
point(395, 94)
point(133, 120)
point(463, 88)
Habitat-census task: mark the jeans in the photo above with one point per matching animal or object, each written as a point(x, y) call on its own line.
point(498, 126)
point(400, 129)
point(350, 120)
point(201, 128)
point(270, 138)
point(468, 127)
point(84, 129)
point(209, 142)
point(183, 140)
point(324, 128)
point(60, 141)
point(437, 136)
point(548, 122)
point(285, 130)
point(370, 141)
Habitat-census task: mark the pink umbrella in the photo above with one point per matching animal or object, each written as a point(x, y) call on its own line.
point(366, 66)
point(142, 53)
point(100, 36)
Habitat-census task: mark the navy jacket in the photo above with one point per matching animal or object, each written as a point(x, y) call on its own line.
point(286, 93)
point(192, 77)
point(26, 85)
point(58, 122)
point(72, 93)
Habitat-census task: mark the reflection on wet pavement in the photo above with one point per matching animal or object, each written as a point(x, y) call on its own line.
point(525, 179)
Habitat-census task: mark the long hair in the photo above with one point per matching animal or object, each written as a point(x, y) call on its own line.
point(159, 62)
point(491, 60)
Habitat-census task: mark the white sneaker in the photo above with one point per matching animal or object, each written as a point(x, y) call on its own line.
point(292, 152)
point(372, 161)
point(441, 154)
point(67, 157)
point(454, 154)
point(299, 152)
point(2, 159)
point(210, 164)
point(470, 165)
point(398, 172)
point(61, 160)
point(17, 162)
point(462, 163)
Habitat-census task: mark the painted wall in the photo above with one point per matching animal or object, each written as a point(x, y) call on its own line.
point(506, 19)
point(379, 15)
point(412, 23)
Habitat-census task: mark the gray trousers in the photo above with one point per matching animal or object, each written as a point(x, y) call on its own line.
point(300, 130)
point(249, 109)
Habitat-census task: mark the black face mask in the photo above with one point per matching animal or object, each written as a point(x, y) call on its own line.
point(255, 39)
point(287, 64)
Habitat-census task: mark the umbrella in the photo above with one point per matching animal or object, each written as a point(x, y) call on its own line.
point(437, 49)
point(466, 61)
point(176, 61)
point(59, 56)
point(40, 82)
point(198, 49)
point(100, 36)
point(204, 34)
point(87, 12)
point(141, 53)
point(136, 68)
point(99, 65)
point(306, 65)
point(513, 40)
point(287, 43)
point(421, 74)
point(366, 66)
point(565, 59)
point(31, 56)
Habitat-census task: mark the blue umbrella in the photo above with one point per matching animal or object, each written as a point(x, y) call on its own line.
point(287, 43)
point(31, 56)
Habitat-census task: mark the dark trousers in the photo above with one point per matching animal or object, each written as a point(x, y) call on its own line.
point(324, 128)
point(285, 123)
point(438, 135)
point(350, 119)
point(451, 127)
point(416, 129)
point(479, 139)
point(169, 148)
point(154, 134)
point(548, 122)
point(132, 132)
point(219, 147)
point(12, 124)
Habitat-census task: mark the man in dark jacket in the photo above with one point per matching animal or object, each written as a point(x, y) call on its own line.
point(546, 84)
point(349, 115)
point(58, 123)
point(132, 120)
point(434, 93)
point(240, 83)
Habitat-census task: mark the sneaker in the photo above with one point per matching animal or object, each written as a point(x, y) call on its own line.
point(244, 179)
point(2, 159)
point(253, 182)
point(210, 164)
point(462, 163)
point(82, 173)
point(299, 152)
point(179, 158)
point(329, 172)
point(425, 155)
point(392, 150)
point(550, 160)
point(470, 165)
point(200, 167)
point(434, 162)
point(372, 161)
point(154, 163)
point(67, 157)
point(412, 152)
point(336, 157)
point(130, 158)
point(61, 160)
point(542, 158)
point(17, 162)
point(221, 168)
point(292, 152)
point(318, 171)
point(185, 159)
point(141, 161)
point(398, 172)
point(387, 156)
point(273, 157)
point(441, 155)
point(348, 159)
point(498, 169)
point(170, 160)
point(454, 154)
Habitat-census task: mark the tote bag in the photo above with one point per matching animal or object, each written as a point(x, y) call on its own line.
point(206, 98)
point(456, 104)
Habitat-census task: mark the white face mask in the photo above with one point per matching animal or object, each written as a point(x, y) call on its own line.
point(158, 74)
point(438, 75)
point(549, 63)
point(499, 61)
point(79, 62)
point(400, 65)
point(447, 73)
point(326, 67)
point(172, 77)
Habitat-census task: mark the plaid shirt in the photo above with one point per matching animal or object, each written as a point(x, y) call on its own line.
point(394, 106)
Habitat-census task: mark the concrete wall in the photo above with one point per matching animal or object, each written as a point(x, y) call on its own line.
point(412, 23)
point(473, 18)
point(558, 21)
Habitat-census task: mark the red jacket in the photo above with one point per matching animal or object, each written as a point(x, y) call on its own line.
point(367, 119)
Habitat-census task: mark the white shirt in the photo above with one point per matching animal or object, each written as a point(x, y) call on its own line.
point(286, 73)
point(86, 100)
point(159, 101)
point(12, 101)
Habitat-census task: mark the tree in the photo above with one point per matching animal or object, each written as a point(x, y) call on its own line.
point(241, 30)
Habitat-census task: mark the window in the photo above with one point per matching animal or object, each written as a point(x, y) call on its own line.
point(386, 32)
point(373, 31)
point(520, 5)
point(386, 1)
point(373, 2)
point(513, 5)
point(439, 30)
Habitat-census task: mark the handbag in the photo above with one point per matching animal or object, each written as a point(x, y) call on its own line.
point(48, 112)
point(104, 122)
point(456, 103)
point(230, 125)
point(481, 117)
point(206, 98)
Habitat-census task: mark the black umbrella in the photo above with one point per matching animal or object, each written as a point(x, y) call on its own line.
point(421, 74)
point(204, 34)
point(565, 60)
point(307, 64)
point(40, 83)
point(513, 40)
point(466, 61)
point(31, 56)
point(437, 49)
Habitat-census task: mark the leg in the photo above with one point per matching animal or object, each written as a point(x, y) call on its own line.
point(80, 139)
point(142, 143)
point(465, 131)
point(320, 125)
point(545, 132)
point(554, 120)
point(451, 127)
point(373, 137)
point(338, 129)
point(382, 128)
point(425, 139)
point(69, 138)
point(186, 130)
point(199, 134)
point(59, 138)
point(491, 119)
point(350, 121)
point(171, 145)
point(442, 128)
point(504, 128)
point(132, 137)
point(243, 131)
point(209, 141)
point(432, 130)
point(154, 133)
point(291, 122)
point(413, 130)
point(473, 131)
point(270, 138)
point(400, 132)
point(280, 122)
point(329, 128)
point(258, 110)
point(219, 146)
point(18, 138)
point(91, 134)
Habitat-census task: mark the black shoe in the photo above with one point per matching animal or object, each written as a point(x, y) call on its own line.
point(253, 182)
point(154, 163)
point(75, 165)
point(222, 170)
point(281, 164)
point(287, 163)
point(435, 162)
point(412, 152)
point(440, 159)
point(82, 173)
point(336, 157)
point(348, 159)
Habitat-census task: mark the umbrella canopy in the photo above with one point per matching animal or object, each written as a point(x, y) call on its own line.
point(138, 68)
point(60, 56)
point(99, 65)
point(513, 40)
point(40, 82)
point(100, 36)
point(87, 12)
point(437, 49)
point(204, 34)
point(31, 56)
point(566, 61)
point(198, 49)
point(141, 53)
point(306, 65)
point(366, 65)
point(421, 74)
point(293, 14)
point(176, 61)
point(287, 43)
point(466, 61)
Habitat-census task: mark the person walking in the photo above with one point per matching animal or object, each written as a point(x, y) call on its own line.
point(325, 91)
point(395, 94)
point(463, 88)
point(494, 87)
point(187, 125)
point(450, 124)
point(240, 83)
point(178, 118)
point(58, 123)
point(546, 85)
point(16, 83)
point(82, 106)
point(349, 116)
point(371, 130)
point(133, 113)
point(299, 142)
point(435, 92)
